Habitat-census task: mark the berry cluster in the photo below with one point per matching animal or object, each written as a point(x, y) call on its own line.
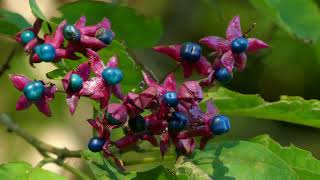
point(52, 48)
point(160, 110)
point(230, 54)
point(161, 114)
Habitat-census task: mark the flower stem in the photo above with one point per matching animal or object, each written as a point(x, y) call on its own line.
point(245, 35)
point(46, 150)
point(6, 65)
point(41, 146)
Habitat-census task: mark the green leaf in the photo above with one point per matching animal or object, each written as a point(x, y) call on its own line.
point(302, 161)
point(136, 30)
point(191, 170)
point(101, 168)
point(242, 160)
point(298, 17)
point(56, 74)
point(24, 171)
point(14, 170)
point(15, 22)
point(132, 75)
point(36, 11)
point(38, 173)
point(147, 158)
point(68, 64)
point(134, 162)
point(160, 173)
point(289, 109)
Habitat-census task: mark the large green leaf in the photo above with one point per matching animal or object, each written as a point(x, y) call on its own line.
point(11, 22)
point(101, 167)
point(134, 162)
point(24, 171)
point(136, 30)
point(302, 161)
point(298, 17)
point(260, 158)
point(36, 11)
point(160, 173)
point(56, 74)
point(289, 109)
point(191, 170)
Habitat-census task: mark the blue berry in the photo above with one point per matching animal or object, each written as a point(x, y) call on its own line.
point(137, 124)
point(190, 52)
point(96, 144)
point(27, 36)
point(36, 49)
point(105, 35)
point(239, 45)
point(171, 99)
point(223, 75)
point(112, 120)
point(112, 76)
point(46, 52)
point(178, 121)
point(75, 82)
point(220, 124)
point(71, 33)
point(34, 90)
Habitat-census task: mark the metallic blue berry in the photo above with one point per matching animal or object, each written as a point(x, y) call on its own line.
point(112, 120)
point(239, 45)
point(105, 35)
point(178, 121)
point(26, 36)
point(137, 124)
point(171, 99)
point(71, 33)
point(96, 144)
point(75, 82)
point(190, 52)
point(220, 124)
point(223, 75)
point(112, 76)
point(36, 49)
point(34, 90)
point(46, 52)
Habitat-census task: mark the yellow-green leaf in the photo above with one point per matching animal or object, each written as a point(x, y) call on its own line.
point(298, 17)
point(24, 171)
point(290, 109)
point(302, 161)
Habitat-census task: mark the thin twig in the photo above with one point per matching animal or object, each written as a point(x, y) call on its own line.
point(45, 149)
point(42, 147)
point(45, 161)
point(67, 167)
point(6, 64)
point(74, 171)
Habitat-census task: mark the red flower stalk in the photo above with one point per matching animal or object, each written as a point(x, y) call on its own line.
point(104, 133)
point(223, 47)
point(73, 96)
point(28, 47)
point(56, 41)
point(87, 36)
point(96, 88)
point(202, 65)
point(20, 82)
